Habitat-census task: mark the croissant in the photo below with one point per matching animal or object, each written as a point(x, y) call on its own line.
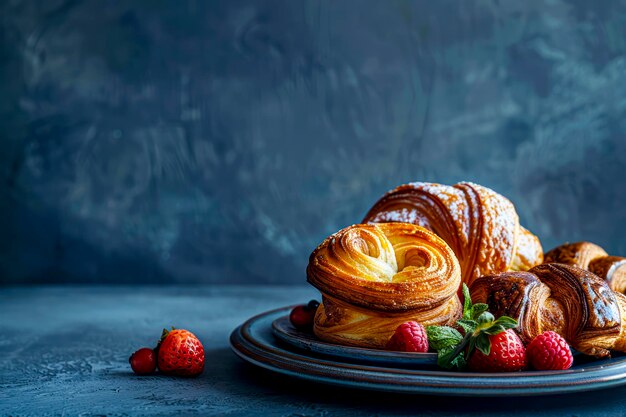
point(593, 258)
point(566, 299)
point(374, 277)
point(481, 226)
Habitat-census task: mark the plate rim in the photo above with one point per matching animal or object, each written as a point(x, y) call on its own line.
point(369, 354)
point(418, 381)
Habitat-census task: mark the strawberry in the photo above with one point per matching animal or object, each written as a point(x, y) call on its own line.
point(549, 351)
point(481, 330)
point(180, 353)
point(507, 354)
point(409, 337)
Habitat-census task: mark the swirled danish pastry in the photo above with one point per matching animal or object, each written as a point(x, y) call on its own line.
point(481, 226)
point(566, 299)
point(592, 257)
point(374, 277)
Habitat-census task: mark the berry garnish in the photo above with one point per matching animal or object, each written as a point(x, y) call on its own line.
point(313, 305)
point(409, 337)
point(507, 354)
point(143, 361)
point(302, 316)
point(180, 353)
point(478, 326)
point(549, 351)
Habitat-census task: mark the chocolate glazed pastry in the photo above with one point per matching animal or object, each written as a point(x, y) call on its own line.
point(375, 277)
point(481, 226)
point(566, 299)
point(591, 257)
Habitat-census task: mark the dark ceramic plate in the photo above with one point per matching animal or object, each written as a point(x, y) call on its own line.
point(254, 342)
point(284, 330)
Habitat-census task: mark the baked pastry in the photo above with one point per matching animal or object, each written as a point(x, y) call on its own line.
point(481, 226)
point(592, 257)
point(375, 277)
point(566, 299)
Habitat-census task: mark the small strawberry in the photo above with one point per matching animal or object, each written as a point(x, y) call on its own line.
point(549, 351)
point(143, 361)
point(506, 354)
point(409, 337)
point(180, 353)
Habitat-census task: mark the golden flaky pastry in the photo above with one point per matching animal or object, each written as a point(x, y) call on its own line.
point(568, 300)
point(592, 257)
point(481, 226)
point(374, 277)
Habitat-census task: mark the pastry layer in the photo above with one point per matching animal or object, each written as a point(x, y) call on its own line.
point(563, 298)
point(589, 256)
point(374, 277)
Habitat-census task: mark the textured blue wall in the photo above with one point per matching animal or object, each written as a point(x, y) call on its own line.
point(197, 141)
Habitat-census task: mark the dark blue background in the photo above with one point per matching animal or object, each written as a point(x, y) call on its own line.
point(199, 142)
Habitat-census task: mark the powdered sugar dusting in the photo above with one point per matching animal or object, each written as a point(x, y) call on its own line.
point(485, 224)
point(454, 200)
point(404, 215)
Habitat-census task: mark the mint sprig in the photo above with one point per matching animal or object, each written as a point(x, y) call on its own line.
point(453, 348)
point(472, 311)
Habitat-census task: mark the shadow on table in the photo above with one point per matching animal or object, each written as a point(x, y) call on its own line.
point(246, 378)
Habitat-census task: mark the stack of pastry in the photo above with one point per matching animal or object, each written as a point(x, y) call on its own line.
point(376, 277)
point(421, 240)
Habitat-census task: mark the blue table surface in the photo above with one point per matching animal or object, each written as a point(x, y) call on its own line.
point(64, 351)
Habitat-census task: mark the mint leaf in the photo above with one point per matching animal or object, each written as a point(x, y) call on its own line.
point(478, 309)
point(448, 358)
point(483, 343)
point(441, 337)
point(451, 356)
point(459, 362)
point(444, 357)
point(470, 347)
point(467, 303)
point(468, 325)
point(506, 322)
point(493, 330)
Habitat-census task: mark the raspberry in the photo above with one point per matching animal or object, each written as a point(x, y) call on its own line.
point(549, 351)
point(507, 354)
point(409, 337)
